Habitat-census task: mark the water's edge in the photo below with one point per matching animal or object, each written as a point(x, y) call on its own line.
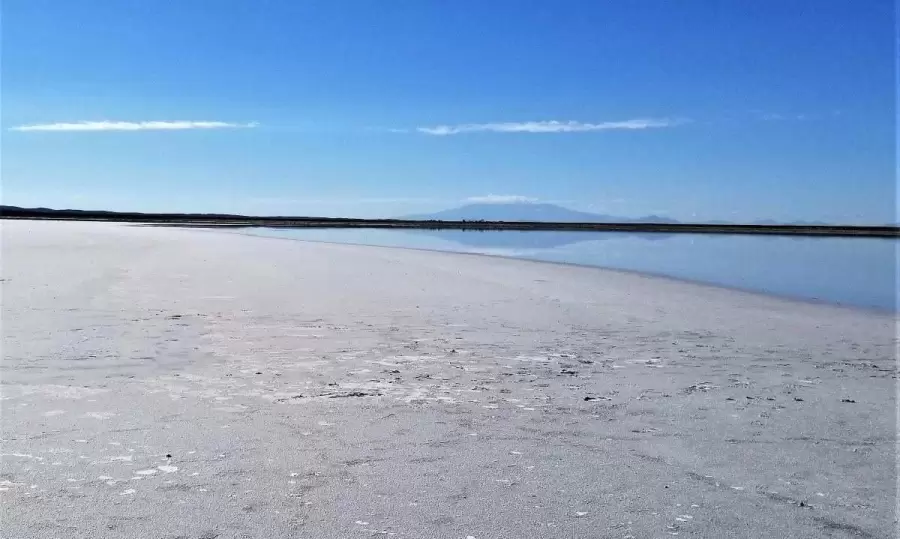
point(797, 298)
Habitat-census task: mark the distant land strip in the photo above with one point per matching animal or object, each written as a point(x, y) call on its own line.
point(240, 221)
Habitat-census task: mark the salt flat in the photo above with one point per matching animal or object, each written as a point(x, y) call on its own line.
point(185, 383)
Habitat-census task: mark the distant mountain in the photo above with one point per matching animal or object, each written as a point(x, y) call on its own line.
point(530, 212)
point(651, 219)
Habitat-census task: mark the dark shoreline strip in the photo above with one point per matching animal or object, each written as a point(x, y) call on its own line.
point(235, 221)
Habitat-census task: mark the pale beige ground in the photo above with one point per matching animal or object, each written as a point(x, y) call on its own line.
point(184, 383)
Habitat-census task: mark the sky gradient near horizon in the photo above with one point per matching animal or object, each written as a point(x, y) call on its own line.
point(696, 110)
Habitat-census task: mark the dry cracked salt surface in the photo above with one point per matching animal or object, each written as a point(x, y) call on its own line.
point(176, 383)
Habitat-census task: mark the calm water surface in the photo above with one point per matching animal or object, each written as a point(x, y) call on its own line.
point(860, 272)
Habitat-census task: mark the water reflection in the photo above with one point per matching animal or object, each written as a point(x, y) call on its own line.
point(859, 272)
point(516, 239)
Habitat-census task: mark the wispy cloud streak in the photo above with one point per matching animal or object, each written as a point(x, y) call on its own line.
point(501, 199)
point(551, 126)
point(178, 125)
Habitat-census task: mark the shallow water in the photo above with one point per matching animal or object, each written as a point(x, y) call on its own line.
point(860, 272)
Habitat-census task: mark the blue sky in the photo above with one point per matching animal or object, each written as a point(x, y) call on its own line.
point(713, 109)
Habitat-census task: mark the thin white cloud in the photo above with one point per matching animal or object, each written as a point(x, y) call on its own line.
point(132, 126)
point(501, 199)
point(551, 126)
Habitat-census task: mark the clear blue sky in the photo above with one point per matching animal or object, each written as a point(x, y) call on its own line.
point(712, 109)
